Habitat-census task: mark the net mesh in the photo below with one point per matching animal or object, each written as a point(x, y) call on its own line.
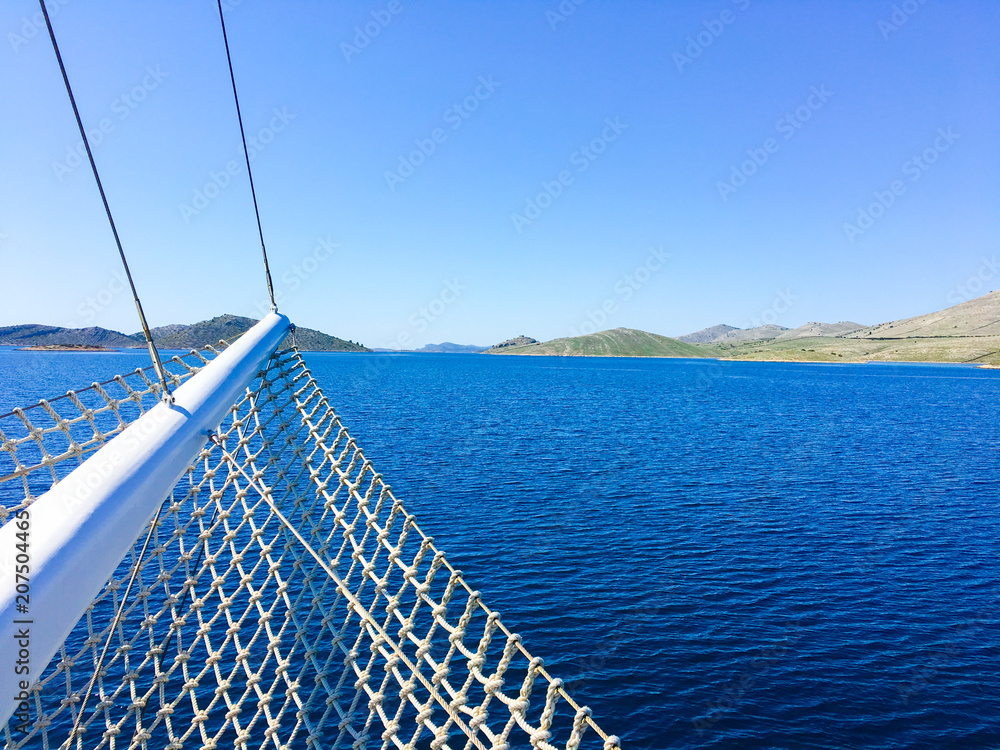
point(287, 598)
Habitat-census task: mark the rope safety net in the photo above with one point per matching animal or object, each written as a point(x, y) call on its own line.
point(287, 599)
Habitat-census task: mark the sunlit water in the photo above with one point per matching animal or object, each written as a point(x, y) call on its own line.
point(710, 554)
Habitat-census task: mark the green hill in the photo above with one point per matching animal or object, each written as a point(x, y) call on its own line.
point(621, 342)
point(228, 327)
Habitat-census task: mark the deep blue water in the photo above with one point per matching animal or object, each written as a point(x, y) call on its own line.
point(753, 555)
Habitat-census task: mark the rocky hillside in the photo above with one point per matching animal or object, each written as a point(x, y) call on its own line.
point(38, 335)
point(760, 333)
point(821, 330)
point(510, 343)
point(229, 327)
point(621, 342)
point(706, 335)
point(977, 317)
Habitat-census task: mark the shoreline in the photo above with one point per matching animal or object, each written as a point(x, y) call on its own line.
point(65, 348)
point(785, 361)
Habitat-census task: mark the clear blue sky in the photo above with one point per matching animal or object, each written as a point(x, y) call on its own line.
point(847, 93)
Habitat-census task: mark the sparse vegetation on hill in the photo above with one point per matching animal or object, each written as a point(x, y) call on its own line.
point(621, 342)
point(981, 350)
point(706, 335)
point(821, 330)
point(174, 336)
point(968, 332)
point(977, 317)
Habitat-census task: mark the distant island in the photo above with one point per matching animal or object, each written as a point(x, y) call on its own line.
point(449, 348)
point(64, 348)
point(966, 333)
point(443, 348)
point(621, 342)
point(510, 343)
point(175, 336)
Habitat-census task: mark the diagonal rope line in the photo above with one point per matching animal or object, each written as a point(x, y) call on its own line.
point(112, 631)
point(246, 155)
point(160, 372)
point(360, 610)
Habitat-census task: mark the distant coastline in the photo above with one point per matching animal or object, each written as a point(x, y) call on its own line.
point(64, 348)
point(967, 333)
point(31, 336)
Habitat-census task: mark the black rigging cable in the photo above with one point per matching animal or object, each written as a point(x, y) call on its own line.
point(157, 364)
point(246, 154)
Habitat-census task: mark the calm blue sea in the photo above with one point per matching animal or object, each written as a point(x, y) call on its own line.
point(712, 555)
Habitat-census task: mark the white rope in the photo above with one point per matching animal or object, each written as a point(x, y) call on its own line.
point(286, 599)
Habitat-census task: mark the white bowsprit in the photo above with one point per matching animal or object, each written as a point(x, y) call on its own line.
point(286, 598)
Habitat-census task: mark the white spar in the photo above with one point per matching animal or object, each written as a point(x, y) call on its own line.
point(79, 531)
